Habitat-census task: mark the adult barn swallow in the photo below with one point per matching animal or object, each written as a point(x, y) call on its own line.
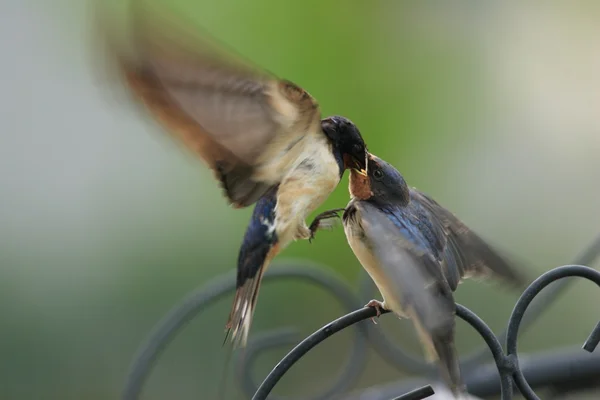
point(416, 252)
point(262, 136)
point(279, 215)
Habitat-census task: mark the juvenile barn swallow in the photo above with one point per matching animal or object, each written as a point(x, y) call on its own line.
point(416, 252)
point(262, 136)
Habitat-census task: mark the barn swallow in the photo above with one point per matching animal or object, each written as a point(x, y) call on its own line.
point(263, 137)
point(417, 253)
point(279, 218)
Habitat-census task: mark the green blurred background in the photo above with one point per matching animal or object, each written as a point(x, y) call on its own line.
point(106, 223)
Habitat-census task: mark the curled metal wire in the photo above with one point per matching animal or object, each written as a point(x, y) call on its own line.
point(352, 368)
point(368, 312)
point(507, 365)
point(519, 311)
point(180, 315)
point(190, 307)
point(403, 360)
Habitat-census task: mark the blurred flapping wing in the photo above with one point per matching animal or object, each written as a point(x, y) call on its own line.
point(239, 119)
point(466, 253)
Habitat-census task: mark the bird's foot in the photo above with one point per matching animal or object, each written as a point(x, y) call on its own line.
point(303, 233)
point(378, 306)
point(325, 220)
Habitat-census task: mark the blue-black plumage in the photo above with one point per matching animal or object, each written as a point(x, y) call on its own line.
point(258, 246)
point(417, 252)
point(279, 216)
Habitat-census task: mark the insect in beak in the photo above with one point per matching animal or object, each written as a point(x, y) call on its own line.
point(364, 171)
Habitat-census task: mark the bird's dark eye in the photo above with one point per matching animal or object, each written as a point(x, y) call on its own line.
point(377, 174)
point(357, 147)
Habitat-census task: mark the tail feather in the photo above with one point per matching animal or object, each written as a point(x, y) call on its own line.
point(258, 248)
point(448, 360)
point(242, 312)
point(439, 347)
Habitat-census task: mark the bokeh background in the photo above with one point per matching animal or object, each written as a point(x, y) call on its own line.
point(493, 108)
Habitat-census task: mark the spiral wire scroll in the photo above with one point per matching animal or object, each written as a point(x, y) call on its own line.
point(506, 365)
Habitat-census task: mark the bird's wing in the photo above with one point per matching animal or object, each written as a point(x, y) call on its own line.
point(416, 278)
point(414, 274)
point(234, 116)
point(466, 254)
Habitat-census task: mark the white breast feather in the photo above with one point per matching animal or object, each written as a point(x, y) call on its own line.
point(371, 265)
point(312, 179)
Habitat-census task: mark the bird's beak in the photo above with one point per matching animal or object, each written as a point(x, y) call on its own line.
point(363, 172)
point(355, 163)
point(360, 166)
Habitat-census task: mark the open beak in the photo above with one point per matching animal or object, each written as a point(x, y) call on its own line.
point(355, 163)
point(362, 172)
point(360, 166)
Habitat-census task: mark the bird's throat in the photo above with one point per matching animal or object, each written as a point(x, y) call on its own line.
point(360, 187)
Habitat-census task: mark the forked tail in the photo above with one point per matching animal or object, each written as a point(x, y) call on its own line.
point(258, 248)
point(436, 331)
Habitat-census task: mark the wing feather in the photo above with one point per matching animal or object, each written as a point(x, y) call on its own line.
point(418, 284)
point(235, 116)
point(465, 253)
point(413, 273)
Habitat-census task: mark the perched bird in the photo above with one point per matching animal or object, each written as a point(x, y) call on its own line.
point(416, 252)
point(263, 137)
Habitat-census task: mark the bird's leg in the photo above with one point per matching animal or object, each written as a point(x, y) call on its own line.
point(302, 232)
point(322, 221)
point(378, 306)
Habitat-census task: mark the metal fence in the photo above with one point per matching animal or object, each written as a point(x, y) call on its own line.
point(561, 371)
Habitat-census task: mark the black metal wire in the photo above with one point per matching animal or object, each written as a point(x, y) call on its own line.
point(178, 317)
point(491, 379)
point(519, 311)
point(417, 394)
point(307, 344)
point(592, 341)
point(507, 365)
point(403, 360)
point(353, 367)
point(565, 370)
point(495, 347)
point(368, 312)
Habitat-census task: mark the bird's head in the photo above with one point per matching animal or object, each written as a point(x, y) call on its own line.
point(347, 138)
point(382, 182)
